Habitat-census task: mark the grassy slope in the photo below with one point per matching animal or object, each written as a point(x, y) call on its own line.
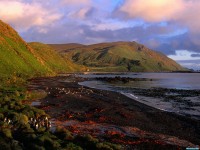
point(121, 56)
point(17, 57)
point(21, 60)
point(54, 60)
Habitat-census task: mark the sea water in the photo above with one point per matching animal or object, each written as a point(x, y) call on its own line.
point(180, 81)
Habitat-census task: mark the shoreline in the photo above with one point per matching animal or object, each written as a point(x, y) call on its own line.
point(181, 101)
point(98, 108)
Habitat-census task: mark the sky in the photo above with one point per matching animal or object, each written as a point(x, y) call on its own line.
point(169, 26)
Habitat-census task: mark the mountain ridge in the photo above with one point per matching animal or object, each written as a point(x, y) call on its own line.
point(120, 56)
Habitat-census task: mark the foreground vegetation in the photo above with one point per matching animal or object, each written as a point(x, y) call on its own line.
point(17, 133)
point(20, 61)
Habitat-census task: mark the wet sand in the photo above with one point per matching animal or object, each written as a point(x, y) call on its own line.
point(113, 117)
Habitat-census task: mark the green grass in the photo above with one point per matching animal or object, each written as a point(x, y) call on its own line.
point(54, 60)
point(17, 58)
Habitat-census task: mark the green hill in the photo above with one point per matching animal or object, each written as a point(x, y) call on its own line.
point(54, 60)
point(16, 56)
point(19, 59)
point(120, 56)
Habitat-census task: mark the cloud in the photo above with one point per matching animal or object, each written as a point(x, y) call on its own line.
point(195, 55)
point(100, 32)
point(183, 12)
point(169, 45)
point(76, 2)
point(152, 10)
point(82, 13)
point(184, 55)
point(26, 15)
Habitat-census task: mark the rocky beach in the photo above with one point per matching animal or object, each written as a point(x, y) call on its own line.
point(111, 116)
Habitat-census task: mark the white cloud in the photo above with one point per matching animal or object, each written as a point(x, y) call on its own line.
point(184, 12)
point(26, 15)
point(152, 10)
point(183, 55)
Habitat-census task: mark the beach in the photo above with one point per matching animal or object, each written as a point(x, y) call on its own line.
point(114, 117)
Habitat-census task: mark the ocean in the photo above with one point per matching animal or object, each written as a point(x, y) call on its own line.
point(172, 92)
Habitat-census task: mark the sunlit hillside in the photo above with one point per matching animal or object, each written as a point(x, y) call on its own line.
point(120, 56)
point(22, 60)
point(53, 60)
